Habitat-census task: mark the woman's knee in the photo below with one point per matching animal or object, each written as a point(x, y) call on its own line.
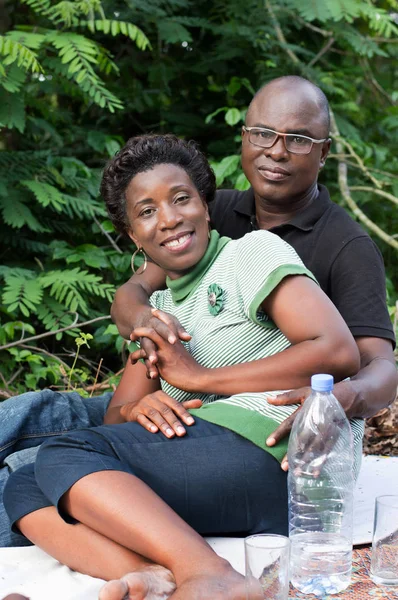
point(19, 485)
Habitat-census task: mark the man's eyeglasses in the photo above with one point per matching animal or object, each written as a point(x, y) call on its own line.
point(266, 138)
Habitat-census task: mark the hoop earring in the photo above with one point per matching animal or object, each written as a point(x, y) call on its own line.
point(144, 264)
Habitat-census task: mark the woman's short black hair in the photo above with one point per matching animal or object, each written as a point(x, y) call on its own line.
point(143, 153)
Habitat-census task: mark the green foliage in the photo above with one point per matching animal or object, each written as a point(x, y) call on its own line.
point(77, 78)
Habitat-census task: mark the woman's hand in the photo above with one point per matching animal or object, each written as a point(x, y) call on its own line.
point(165, 325)
point(160, 412)
point(174, 363)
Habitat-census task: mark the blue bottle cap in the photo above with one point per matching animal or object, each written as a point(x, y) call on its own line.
point(322, 382)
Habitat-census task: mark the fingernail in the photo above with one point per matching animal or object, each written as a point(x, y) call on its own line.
point(270, 441)
point(285, 465)
point(152, 358)
point(154, 428)
point(190, 420)
point(180, 429)
point(171, 339)
point(169, 431)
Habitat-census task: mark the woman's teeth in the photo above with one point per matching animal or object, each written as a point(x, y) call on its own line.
point(177, 242)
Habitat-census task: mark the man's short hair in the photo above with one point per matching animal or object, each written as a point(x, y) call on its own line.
point(296, 80)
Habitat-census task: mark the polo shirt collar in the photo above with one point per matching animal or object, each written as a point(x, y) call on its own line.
point(304, 220)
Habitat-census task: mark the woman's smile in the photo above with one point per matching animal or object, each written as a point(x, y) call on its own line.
point(178, 242)
point(168, 217)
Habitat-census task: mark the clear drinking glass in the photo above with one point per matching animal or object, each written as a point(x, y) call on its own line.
point(267, 567)
point(384, 563)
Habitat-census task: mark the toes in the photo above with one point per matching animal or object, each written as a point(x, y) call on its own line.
point(114, 590)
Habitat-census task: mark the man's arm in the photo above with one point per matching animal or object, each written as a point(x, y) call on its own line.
point(131, 309)
point(374, 386)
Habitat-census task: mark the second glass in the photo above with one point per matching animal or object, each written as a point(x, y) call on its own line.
point(267, 567)
point(384, 563)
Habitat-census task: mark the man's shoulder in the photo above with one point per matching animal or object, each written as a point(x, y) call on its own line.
point(340, 223)
point(228, 199)
point(231, 212)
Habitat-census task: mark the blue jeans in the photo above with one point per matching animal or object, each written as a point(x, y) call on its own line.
point(217, 481)
point(28, 420)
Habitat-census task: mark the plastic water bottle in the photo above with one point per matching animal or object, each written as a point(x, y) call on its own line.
point(321, 487)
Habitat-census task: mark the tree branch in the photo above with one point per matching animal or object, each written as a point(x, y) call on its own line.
point(340, 144)
point(364, 188)
point(322, 51)
point(345, 190)
point(106, 234)
point(280, 35)
point(49, 333)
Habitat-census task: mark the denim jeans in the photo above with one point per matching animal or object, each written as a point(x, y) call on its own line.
point(217, 481)
point(28, 420)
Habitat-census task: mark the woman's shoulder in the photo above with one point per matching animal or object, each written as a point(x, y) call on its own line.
point(265, 244)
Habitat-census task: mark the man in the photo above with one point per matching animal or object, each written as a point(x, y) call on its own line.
point(284, 145)
point(285, 199)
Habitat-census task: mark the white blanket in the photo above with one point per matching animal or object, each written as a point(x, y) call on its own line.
point(30, 571)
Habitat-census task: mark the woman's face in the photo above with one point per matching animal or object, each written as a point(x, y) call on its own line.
point(168, 218)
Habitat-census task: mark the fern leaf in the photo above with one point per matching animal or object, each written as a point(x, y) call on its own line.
point(380, 21)
point(24, 244)
point(12, 78)
point(61, 283)
point(16, 52)
point(39, 6)
point(12, 111)
point(46, 194)
point(119, 28)
point(66, 287)
point(27, 38)
point(64, 13)
point(83, 207)
point(80, 53)
point(173, 32)
point(54, 316)
point(16, 214)
point(22, 294)
point(311, 9)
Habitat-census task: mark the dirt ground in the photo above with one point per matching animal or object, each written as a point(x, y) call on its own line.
point(381, 432)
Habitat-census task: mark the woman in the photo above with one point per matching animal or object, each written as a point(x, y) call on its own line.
point(139, 497)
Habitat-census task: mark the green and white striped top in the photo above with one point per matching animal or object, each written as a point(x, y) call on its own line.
point(219, 304)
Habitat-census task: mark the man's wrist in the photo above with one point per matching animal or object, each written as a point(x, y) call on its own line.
point(349, 396)
point(142, 316)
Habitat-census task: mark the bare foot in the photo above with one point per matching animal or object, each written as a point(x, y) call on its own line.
point(150, 583)
point(230, 586)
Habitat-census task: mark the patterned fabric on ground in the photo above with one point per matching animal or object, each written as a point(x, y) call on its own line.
point(361, 588)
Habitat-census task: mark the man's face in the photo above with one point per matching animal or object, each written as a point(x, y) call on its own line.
point(275, 174)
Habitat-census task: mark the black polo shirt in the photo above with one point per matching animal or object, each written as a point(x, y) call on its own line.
point(344, 259)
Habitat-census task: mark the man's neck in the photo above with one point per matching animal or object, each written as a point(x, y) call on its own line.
point(269, 215)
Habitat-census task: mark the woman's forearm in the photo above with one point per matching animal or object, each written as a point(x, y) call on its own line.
point(291, 368)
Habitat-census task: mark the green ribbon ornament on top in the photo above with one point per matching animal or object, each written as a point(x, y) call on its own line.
point(215, 299)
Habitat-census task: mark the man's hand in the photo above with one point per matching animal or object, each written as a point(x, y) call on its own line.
point(165, 325)
point(343, 391)
point(174, 363)
point(159, 412)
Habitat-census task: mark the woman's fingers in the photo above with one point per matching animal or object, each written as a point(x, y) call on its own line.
point(160, 412)
point(192, 403)
point(146, 423)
